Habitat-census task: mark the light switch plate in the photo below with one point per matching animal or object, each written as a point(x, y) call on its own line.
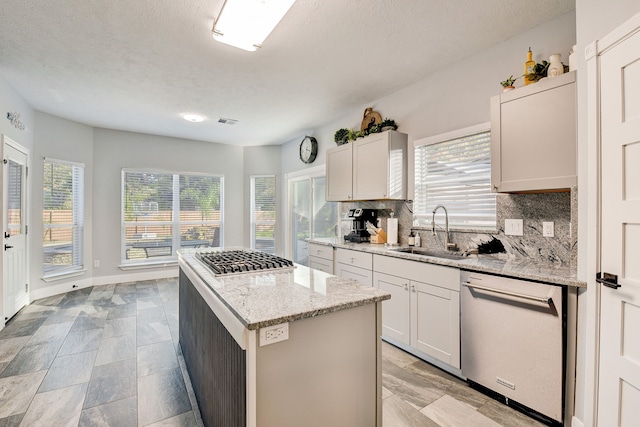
point(548, 229)
point(513, 227)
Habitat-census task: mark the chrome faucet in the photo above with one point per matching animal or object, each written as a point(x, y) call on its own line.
point(447, 243)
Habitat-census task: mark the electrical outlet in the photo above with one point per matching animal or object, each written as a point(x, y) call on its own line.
point(274, 334)
point(513, 227)
point(547, 229)
point(96, 263)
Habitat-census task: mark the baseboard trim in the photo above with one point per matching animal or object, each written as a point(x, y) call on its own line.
point(74, 285)
point(575, 422)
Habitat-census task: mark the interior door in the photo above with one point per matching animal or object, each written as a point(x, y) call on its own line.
point(619, 370)
point(14, 177)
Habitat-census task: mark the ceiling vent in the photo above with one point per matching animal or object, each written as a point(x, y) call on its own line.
point(227, 121)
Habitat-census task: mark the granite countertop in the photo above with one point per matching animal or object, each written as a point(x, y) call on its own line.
point(258, 300)
point(515, 267)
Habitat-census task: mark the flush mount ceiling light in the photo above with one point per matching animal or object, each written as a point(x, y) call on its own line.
point(247, 23)
point(195, 118)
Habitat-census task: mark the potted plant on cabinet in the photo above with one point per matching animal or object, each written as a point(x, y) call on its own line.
point(341, 136)
point(508, 83)
point(388, 124)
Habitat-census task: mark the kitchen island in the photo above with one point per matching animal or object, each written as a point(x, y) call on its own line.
point(285, 347)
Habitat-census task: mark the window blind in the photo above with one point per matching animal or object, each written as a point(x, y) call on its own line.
point(455, 173)
point(263, 213)
point(162, 212)
point(63, 216)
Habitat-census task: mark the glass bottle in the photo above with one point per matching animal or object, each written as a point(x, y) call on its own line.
point(529, 67)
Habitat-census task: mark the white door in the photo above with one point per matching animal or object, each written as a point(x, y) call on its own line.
point(14, 177)
point(619, 370)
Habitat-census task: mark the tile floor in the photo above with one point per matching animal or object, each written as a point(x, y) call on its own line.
point(108, 356)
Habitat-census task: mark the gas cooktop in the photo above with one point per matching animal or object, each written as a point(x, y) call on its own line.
point(242, 261)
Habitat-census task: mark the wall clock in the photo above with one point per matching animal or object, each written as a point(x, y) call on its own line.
point(308, 149)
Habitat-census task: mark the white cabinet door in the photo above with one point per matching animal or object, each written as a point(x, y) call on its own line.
point(370, 167)
point(435, 322)
point(533, 137)
point(347, 271)
point(395, 311)
point(339, 173)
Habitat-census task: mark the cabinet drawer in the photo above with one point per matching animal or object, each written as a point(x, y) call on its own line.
point(437, 275)
point(354, 258)
point(321, 264)
point(321, 251)
point(363, 275)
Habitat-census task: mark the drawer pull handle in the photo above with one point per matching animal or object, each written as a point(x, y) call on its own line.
point(545, 300)
point(607, 279)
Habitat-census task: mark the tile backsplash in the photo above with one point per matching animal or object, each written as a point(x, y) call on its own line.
point(533, 209)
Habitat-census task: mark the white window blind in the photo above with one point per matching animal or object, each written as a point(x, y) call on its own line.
point(455, 172)
point(162, 212)
point(63, 216)
point(263, 213)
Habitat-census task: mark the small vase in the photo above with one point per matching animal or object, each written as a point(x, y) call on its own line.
point(508, 88)
point(555, 66)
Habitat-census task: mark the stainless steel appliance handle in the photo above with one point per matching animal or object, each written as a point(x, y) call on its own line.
point(545, 300)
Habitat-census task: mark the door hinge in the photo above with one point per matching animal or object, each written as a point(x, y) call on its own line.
point(26, 229)
point(27, 171)
point(26, 287)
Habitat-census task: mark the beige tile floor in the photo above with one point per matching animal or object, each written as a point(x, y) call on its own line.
point(109, 356)
point(416, 393)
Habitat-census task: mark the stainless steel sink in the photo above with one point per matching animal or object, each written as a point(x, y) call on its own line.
point(432, 253)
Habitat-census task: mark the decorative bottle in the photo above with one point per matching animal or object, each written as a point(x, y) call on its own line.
point(412, 239)
point(555, 66)
point(529, 67)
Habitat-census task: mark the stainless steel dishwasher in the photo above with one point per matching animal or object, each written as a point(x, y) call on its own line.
point(513, 342)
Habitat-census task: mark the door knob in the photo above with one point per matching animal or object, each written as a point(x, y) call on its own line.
point(607, 279)
point(7, 247)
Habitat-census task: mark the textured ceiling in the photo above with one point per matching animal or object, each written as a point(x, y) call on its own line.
point(138, 65)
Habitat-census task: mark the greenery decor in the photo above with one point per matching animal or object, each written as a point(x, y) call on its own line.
point(387, 122)
point(341, 136)
point(344, 135)
point(539, 71)
point(509, 82)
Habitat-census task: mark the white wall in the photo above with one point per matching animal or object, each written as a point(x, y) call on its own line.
point(263, 161)
point(454, 97)
point(60, 139)
point(114, 150)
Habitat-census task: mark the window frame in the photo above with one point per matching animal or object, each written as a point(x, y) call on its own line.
point(422, 219)
point(175, 224)
point(77, 219)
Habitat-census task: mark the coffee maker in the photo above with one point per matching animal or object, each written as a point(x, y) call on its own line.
point(359, 231)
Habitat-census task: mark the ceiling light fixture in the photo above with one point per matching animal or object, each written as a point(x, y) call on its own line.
point(195, 118)
point(247, 23)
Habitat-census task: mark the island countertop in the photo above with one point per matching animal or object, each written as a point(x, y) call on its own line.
point(269, 298)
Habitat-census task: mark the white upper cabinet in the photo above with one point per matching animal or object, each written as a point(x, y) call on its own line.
point(533, 137)
point(370, 168)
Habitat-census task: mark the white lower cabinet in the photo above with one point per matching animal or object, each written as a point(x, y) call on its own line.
point(424, 310)
point(354, 265)
point(321, 257)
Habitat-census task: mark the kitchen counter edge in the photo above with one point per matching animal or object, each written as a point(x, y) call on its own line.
point(517, 268)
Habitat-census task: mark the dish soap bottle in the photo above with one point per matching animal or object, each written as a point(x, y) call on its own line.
point(412, 239)
point(529, 67)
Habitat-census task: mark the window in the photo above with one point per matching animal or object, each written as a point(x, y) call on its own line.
point(263, 213)
point(310, 215)
point(454, 170)
point(63, 216)
point(162, 212)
